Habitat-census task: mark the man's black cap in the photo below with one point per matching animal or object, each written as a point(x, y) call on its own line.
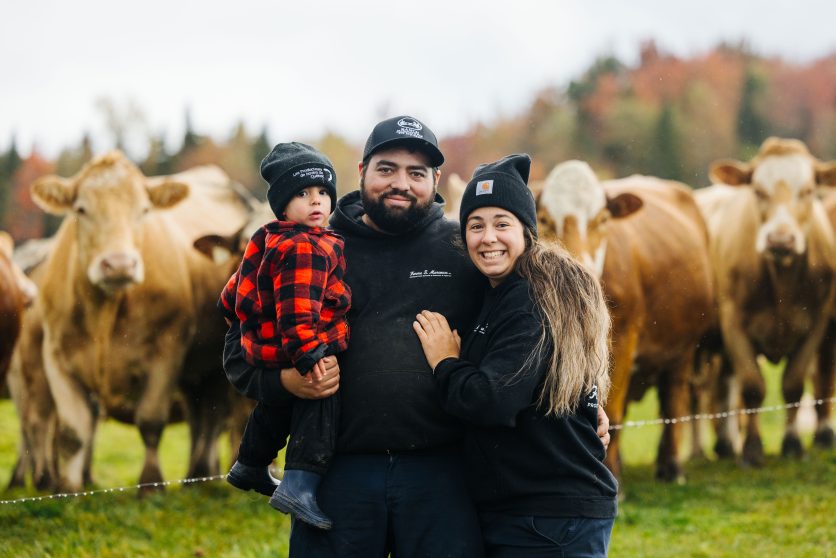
point(407, 131)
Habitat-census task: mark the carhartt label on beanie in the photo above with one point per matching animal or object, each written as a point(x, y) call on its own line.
point(504, 184)
point(484, 187)
point(292, 167)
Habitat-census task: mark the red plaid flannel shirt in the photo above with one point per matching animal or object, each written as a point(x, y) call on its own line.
point(289, 296)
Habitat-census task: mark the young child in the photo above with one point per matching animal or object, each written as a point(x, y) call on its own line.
point(290, 299)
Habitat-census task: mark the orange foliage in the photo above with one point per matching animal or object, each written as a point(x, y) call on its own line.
point(27, 220)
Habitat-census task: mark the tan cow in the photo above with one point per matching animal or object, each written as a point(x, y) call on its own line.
point(126, 301)
point(774, 258)
point(646, 241)
point(824, 380)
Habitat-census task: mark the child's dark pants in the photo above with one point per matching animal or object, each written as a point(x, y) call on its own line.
point(310, 423)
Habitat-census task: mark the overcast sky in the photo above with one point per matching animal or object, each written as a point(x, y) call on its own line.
point(342, 65)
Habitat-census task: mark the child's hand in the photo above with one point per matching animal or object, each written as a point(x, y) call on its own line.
point(317, 373)
point(436, 338)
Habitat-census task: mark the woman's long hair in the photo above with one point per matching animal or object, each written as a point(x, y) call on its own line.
point(576, 326)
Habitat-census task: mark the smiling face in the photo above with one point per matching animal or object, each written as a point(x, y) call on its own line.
point(398, 188)
point(311, 206)
point(495, 238)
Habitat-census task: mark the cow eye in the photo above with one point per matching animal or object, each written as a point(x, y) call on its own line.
point(80, 210)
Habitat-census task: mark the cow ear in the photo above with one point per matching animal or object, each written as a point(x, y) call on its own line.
point(7, 245)
point(53, 194)
point(217, 248)
point(730, 172)
point(623, 205)
point(826, 173)
point(167, 193)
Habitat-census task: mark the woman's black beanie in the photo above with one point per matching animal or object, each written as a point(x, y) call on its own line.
point(504, 184)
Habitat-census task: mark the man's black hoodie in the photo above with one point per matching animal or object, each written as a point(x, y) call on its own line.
point(389, 399)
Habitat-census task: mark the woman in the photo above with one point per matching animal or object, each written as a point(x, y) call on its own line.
point(527, 379)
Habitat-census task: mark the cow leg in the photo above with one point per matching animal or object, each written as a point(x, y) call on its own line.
point(151, 417)
point(208, 410)
point(623, 354)
point(823, 386)
point(23, 464)
point(725, 395)
point(792, 386)
point(43, 433)
point(706, 367)
point(16, 390)
point(798, 365)
point(74, 435)
point(748, 374)
point(674, 399)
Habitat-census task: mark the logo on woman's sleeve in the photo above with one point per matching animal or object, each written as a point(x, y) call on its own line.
point(593, 397)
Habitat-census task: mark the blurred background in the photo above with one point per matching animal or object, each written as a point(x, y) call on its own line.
point(650, 87)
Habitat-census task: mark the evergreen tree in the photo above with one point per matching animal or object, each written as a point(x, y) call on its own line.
point(751, 127)
point(667, 158)
point(158, 161)
point(9, 163)
point(190, 138)
point(260, 147)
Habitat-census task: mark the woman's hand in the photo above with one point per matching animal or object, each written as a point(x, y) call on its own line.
point(320, 382)
point(603, 427)
point(436, 338)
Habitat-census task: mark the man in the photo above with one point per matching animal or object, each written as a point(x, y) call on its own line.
point(396, 483)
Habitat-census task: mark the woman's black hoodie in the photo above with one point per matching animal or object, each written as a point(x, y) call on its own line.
point(520, 461)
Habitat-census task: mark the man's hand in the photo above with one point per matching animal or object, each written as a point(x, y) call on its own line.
point(603, 427)
point(321, 382)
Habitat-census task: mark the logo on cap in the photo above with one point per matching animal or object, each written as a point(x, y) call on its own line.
point(410, 123)
point(484, 187)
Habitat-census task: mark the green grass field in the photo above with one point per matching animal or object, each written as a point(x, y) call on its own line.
point(785, 509)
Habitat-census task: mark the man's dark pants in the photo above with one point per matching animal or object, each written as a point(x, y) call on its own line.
point(412, 504)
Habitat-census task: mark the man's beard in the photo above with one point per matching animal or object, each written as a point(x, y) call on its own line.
point(395, 220)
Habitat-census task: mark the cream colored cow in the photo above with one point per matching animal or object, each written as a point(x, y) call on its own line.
point(128, 313)
point(774, 259)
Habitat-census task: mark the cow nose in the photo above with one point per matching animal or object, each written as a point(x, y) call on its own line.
point(119, 266)
point(779, 241)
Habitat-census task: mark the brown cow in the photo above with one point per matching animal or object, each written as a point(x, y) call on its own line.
point(16, 292)
point(655, 274)
point(125, 302)
point(774, 257)
point(34, 404)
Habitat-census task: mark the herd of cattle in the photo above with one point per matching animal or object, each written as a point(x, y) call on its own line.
point(115, 315)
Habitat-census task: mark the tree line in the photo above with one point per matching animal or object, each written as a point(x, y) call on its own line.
point(665, 116)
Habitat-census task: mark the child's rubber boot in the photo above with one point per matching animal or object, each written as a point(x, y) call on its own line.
point(248, 477)
point(296, 495)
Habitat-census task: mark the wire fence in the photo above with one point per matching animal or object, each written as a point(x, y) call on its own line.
point(628, 424)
